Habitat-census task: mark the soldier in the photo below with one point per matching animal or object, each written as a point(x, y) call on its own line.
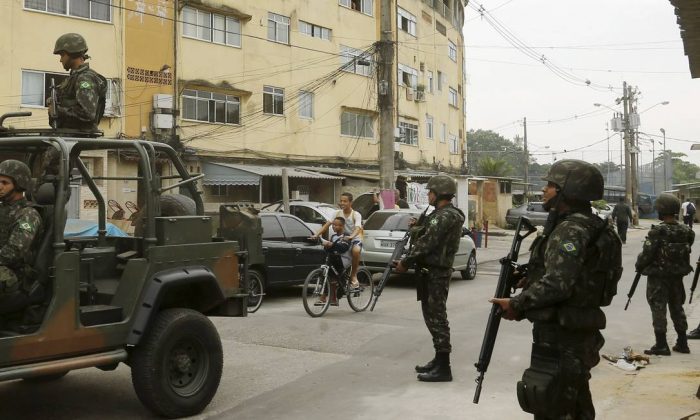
point(19, 225)
point(573, 265)
point(435, 241)
point(80, 99)
point(665, 260)
point(621, 215)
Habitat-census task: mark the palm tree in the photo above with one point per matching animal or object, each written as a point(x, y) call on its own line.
point(489, 166)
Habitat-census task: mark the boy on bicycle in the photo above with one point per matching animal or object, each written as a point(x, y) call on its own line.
point(353, 231)
point(339, 259)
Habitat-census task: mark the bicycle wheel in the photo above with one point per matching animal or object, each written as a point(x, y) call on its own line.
point(360, 298)
point(256, 290)
point(316, 293)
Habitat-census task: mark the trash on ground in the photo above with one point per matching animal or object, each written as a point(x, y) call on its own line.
point(628, 361)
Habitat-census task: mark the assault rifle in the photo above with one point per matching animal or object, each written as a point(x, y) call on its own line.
point(635, 282)
point(506, 283)
point(695, 281)
point(53, 121)
point(399, 249)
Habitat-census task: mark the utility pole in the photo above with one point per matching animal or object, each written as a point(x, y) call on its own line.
point(625, 133)
point(527, 162)
point(385, 71)
point(665, 171)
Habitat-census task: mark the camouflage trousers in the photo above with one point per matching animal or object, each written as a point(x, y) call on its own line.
point(576, 353)
point(663, 292)
point(432, 292)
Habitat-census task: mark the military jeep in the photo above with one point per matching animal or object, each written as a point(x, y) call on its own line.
point(142, 300)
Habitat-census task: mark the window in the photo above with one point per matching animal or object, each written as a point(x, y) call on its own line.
point(355, 61)
point(439, 80)
point(211, 27)
point(36, 86)
point(273, 100)
point(452, 50)
point(296, 230)
point(440, 27)
point(271, 229)
point(453, 99)
point(306, 104)
point(217, 190)
point(443, 133)
point(88, 9)
point(406, 21)
point(356, 125)
point(429, 126)
point(113, 98)
point(408, 76)
point(409, 133)
point(277, 28)
point(212, 107)
point(314, 30)
point(453, 144)
point(430, 81)
point(362, 6)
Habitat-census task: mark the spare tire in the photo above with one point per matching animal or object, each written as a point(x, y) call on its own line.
point(170, 205)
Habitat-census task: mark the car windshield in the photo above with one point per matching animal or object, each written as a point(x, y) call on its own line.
point(328, 211)
point(388, 221)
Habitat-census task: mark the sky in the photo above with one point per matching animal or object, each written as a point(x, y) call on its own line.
point(603, 41)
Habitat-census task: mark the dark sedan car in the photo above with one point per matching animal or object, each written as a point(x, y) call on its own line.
point(289, 255)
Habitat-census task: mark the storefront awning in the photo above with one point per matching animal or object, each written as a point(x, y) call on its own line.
point(240, 174)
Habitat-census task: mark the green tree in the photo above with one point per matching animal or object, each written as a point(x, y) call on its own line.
point(489, 166)
point(482, 144)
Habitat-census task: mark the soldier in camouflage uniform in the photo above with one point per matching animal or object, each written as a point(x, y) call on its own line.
point(562, 294)
point(80, 101)
point(665, 260)
point(19, 227)
point(434, 245)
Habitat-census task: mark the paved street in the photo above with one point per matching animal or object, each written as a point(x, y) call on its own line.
point(282, 364)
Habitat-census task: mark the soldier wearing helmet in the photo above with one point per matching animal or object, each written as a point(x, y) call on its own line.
point(569, 269)
point(80, 99)
point(19, 227)
point(665, 260)
point(435, 241)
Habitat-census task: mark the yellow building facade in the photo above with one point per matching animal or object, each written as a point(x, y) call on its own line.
point(276, 83)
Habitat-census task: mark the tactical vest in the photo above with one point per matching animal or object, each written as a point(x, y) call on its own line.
point(597, 284)
point(673, 255)
point(66, 97)
point(444, 255)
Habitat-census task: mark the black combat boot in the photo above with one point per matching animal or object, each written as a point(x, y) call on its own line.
point(661, 346)
point(681, 343)
point(428, 366)
point(441, 372)
point(694, 334)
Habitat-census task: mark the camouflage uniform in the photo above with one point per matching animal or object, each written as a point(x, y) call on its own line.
point(19, 226)
point(622, 214)
point(564, 309)
point(433, 254)
point(665, 260)
point(81, 99)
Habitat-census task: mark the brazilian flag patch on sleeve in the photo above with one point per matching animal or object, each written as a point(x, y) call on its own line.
point(26, 226)
point(569, 248)
point(85, 85)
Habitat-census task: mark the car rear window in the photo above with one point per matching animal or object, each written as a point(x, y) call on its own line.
point(388, 221)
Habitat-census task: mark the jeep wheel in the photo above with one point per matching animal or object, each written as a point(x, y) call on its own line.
point(176, 368)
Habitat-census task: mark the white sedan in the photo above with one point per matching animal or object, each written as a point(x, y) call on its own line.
point(386, 227)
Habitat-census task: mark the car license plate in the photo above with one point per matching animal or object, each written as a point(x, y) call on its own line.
point(387, 244)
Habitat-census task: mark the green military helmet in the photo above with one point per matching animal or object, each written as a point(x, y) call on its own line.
point(18, 171)
point(442, 185)
point(667, 204)
point(71, 43)
point(576, 179)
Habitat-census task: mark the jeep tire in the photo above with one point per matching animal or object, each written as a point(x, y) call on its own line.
point(171, 205)
point(176, 368)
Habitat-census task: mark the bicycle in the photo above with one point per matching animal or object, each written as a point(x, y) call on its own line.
point(323, 285)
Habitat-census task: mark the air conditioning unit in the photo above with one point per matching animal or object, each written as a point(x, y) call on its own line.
point(162, 101)
point(409, 93)
point(420, 96)
point(162, 121)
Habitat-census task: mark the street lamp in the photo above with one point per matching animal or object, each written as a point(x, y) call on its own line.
point(660, 103)
point(665, 172)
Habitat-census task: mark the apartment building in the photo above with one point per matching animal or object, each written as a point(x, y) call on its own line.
point(253, 84)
